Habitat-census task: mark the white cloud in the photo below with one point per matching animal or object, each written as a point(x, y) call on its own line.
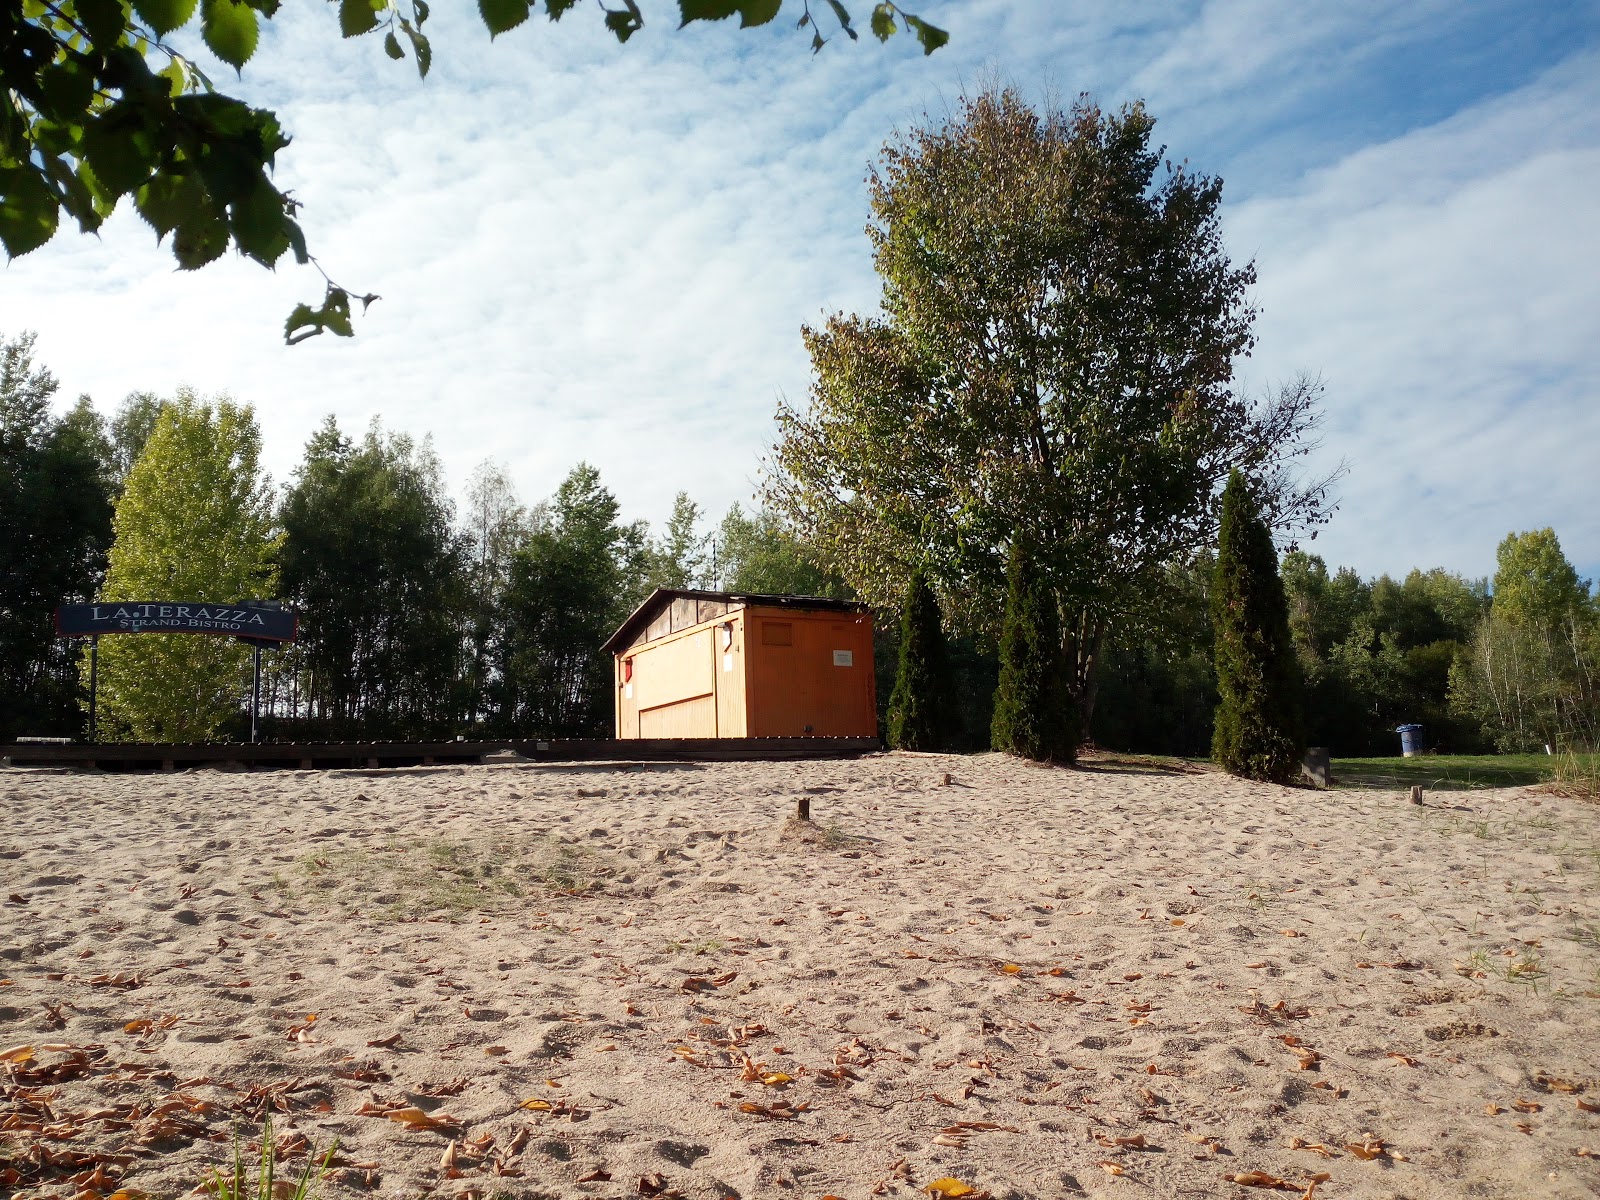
point(602, 252)
point(1444, 283)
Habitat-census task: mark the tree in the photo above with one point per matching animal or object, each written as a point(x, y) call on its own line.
point(194, 522)
point(1258, 717)
point(1033, 712)
point(760, 554)
point(130, 430)
point(1532, 675)
point(55, 525)
point(920, 708)
point(379, 576)
point(678, 559)
point(1054, 364)
point(572, 583)
point(497, 525)
point(99, 105)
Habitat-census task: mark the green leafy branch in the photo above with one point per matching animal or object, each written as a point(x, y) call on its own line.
point(86, 119)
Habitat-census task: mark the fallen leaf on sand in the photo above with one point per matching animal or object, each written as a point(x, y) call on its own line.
point(951, 1189)
point(598, 1175)
point(535, 1105)
point(415, 1118)
point(1585, 1106)
point(1010, 969)
point(1318, 1147)
point(1527, 1106)
point(386, 1043)
point(1260, 1179)
point(1111, 1167)
point(1368, 1148)
point(17, 1054)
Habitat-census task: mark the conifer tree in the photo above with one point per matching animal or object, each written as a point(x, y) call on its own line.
point(920, 710)
point(1258, 722)
point(194, 523)
point(1034, 715)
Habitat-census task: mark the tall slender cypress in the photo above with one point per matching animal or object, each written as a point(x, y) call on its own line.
point(920, 709)
point(1033, 711)
point(1258, 732)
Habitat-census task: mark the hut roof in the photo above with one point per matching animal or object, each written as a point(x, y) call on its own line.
point(663, 598)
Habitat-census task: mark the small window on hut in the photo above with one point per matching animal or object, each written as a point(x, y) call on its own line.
point(777, 633)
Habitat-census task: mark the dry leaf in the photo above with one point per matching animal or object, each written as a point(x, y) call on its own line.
point(1403, 1058)
point(598, 1175)
point(1291, 933)
point(1368, 1148)
point(1494, 1110)
point(1260, 1179)
point(1586, 1106)
point(1527, 1106)
point(415, 1118)
point(1111, 1167)
point(1010, 969)
point(536, 1105)
point(1318, 1147)
point(950, 1188)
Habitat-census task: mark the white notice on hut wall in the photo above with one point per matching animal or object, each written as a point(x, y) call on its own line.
point(727, 662)
point(844, 658)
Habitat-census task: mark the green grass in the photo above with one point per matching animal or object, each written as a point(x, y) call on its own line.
point(1453, 772)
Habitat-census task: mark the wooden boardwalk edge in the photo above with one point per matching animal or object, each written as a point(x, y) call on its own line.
point(144, 756)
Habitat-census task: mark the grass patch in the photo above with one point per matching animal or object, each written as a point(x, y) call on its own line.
point(405, 880)
point(1458, 772)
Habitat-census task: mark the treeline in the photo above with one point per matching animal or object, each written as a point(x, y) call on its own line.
point(417, 620)
point(1513, 667)
point(421, 619)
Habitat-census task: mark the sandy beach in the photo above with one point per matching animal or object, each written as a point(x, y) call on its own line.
point(615, 981)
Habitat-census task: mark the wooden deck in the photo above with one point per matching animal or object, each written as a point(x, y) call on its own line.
point(144, 756)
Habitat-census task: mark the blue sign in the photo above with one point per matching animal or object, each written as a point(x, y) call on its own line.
point(172, 616)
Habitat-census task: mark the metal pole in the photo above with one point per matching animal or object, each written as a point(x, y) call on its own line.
point(94, 682)
point(255, 697)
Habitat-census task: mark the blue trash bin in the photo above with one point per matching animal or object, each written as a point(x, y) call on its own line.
point(1411, 743)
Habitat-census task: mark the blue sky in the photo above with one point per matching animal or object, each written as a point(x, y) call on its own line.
point(603, 252)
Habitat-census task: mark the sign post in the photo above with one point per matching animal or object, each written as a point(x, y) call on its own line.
point(257, 623)
point(94, 681)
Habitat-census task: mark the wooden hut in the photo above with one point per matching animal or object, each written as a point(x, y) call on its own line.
point(692, 664)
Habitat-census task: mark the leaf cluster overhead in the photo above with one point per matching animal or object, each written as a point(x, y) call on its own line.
point(97, 106)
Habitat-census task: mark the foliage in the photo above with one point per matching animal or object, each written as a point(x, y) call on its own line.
point(1377, 654)
point(100, 105)
point(1258, 720)
point(679, 558)
point(1532, 675)
point(497, 525)
point(1055, 363)
point(194, 522)
point(1033, 713)
point(236, 1183)
point(55, 526)
point(572, 583)
point(920, 709)
point(1158, 684)
point(761, 554)
point(130, 430)
point(379, 575)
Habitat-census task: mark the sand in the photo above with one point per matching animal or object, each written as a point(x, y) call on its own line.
point(616, 981)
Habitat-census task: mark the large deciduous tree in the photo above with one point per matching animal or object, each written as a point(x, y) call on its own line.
point(55, 525)
point(1258, 720)
point(194, 522)
point(96, 105)
point(1054, 362)
point(1532, 671)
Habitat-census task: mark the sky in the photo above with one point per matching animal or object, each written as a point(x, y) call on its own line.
point(595, 252)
